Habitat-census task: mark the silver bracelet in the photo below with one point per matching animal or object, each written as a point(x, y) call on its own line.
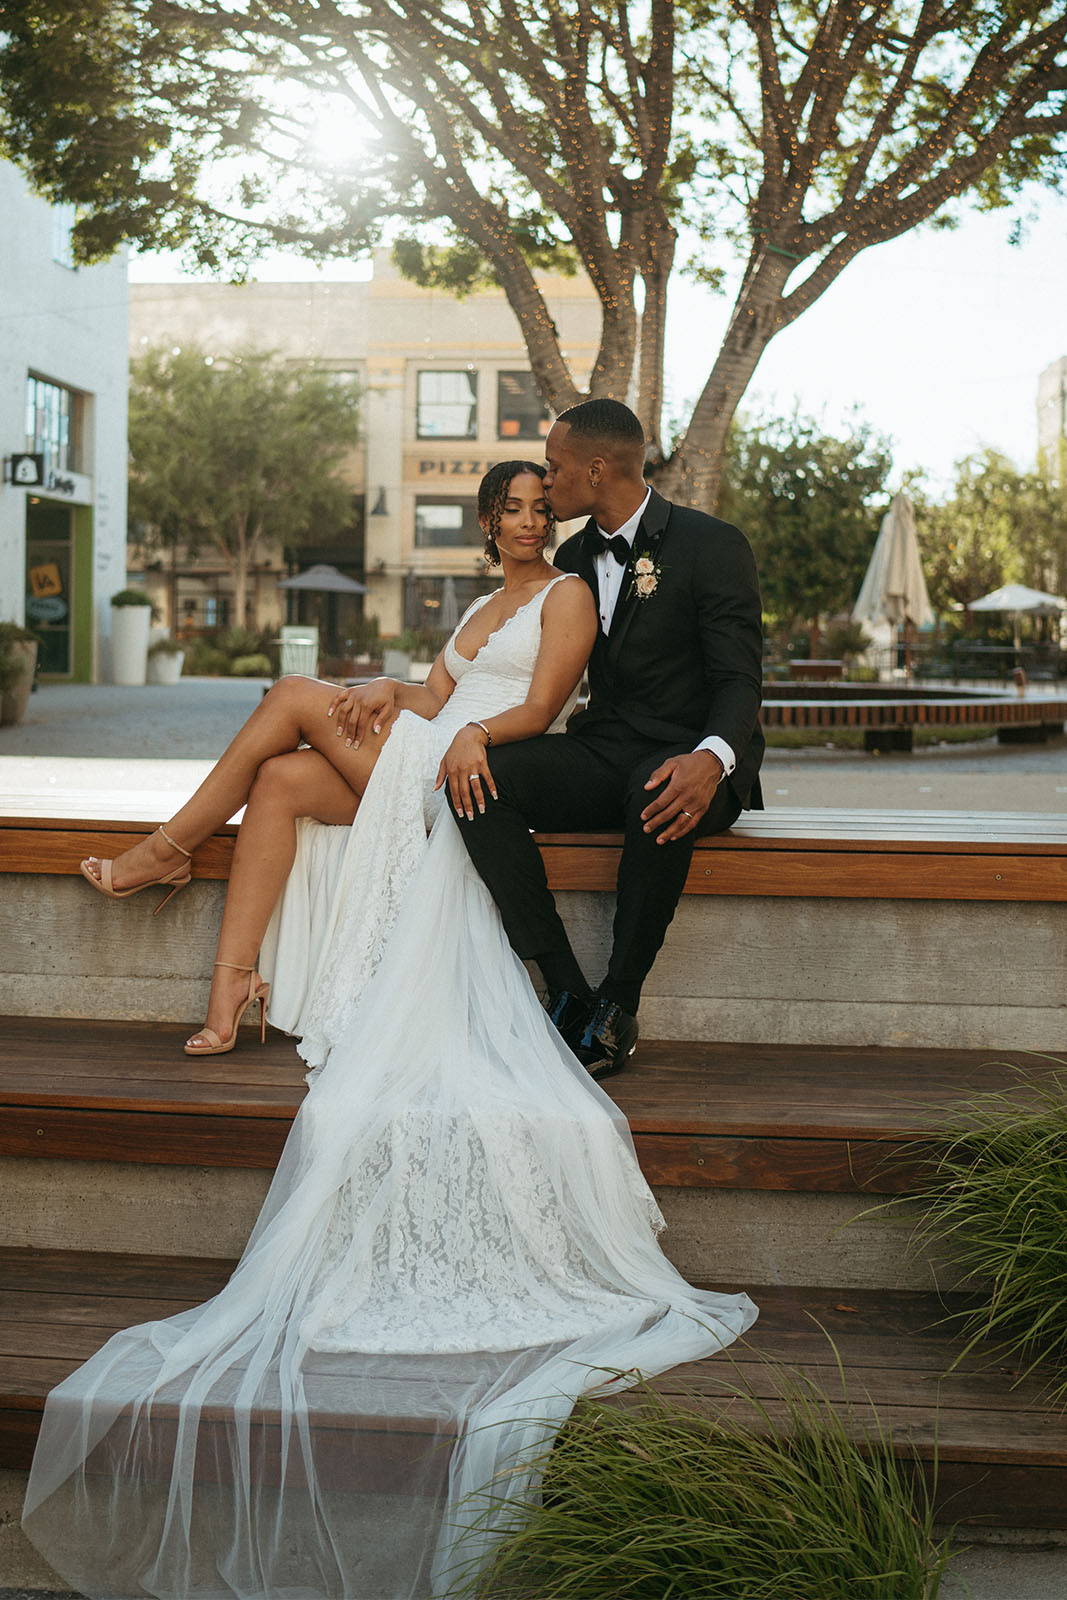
point(485, 730)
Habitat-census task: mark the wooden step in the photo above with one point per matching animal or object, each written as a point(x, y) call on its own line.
point(792, 1118)
point(1002, 1453)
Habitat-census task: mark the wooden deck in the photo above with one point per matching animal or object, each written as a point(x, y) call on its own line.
point(1002, 1453)
point(702, 1115)
point(785, 851)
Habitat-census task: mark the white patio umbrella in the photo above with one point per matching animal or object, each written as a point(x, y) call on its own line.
point(1019, 601)
point(893, 590)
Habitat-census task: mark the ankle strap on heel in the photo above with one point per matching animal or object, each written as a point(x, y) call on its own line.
point(174, 843)
point(233, 966)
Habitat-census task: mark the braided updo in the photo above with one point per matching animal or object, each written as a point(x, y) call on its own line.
point(492, 498)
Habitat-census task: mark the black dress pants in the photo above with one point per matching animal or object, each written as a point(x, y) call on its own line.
point(585, 782)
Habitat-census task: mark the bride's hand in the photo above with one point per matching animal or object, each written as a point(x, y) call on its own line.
point(369, 706)
point(466, 771)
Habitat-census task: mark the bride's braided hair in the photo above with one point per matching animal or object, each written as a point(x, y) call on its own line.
point(492, 497)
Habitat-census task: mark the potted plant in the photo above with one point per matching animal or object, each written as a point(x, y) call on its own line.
point(165, 658)
point(18, 660)
point(131, 616)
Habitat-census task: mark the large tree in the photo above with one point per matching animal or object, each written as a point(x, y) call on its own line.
point(232, 453)
point(811, 502)
point(497, 135)
point(999, 525)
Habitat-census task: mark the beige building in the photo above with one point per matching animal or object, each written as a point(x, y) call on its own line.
point(446, 390)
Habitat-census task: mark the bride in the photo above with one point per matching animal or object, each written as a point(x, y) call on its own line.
point(457, 1243)
point(319, 902)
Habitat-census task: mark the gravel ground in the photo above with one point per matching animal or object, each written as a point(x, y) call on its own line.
point(191, 722)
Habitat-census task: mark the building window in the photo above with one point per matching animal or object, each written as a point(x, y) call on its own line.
point(447, 405)
point(446, 522)
point(63, 220)
point(520, 411)
point(53, 424)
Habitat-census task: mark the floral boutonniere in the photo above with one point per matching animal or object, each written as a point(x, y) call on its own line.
point(646, 577)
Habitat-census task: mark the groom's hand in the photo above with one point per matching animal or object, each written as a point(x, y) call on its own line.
point(690, 782)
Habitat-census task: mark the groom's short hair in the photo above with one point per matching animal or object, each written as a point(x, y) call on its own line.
point(605, 425)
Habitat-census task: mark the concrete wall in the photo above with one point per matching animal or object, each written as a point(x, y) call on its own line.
point(748, 968)
point(67, 325)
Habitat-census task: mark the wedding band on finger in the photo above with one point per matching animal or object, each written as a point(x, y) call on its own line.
point(688, 814)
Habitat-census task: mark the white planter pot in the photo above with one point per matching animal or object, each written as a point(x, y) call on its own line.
point(396, 664)
point(165, 666)
point(129, 643)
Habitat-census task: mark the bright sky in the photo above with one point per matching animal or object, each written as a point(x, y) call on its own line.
point(938, 337)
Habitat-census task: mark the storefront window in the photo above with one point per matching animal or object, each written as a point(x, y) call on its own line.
point(447, 405)
point(435, 605)
point(53, 424)
point(446, 522)
point(520, 411)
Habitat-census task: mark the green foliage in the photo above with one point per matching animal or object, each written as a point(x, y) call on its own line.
point(131, 597)
point(12, 661)
point(257, 666)
point(996, 1198)
point(771, 1500)
point(999, 525)
point(165, 647)
point(810, 502)
point(843, 640)
point(237, 452)
point(205, 660)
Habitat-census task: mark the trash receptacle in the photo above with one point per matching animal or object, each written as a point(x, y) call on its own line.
point(298, 652)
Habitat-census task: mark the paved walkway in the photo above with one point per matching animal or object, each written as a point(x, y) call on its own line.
point(190, 723)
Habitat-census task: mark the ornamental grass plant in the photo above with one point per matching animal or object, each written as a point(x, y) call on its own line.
point(994, 1197)
point(772, 1499)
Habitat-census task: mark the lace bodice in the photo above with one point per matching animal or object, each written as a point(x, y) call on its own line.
point(499, 675)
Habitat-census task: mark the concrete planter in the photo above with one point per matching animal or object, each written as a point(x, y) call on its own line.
point(129, 644)
point(396, 664)
point(14, 701)
point(165, 666)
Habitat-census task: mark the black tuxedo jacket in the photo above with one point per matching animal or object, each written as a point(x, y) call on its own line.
point(686, 661)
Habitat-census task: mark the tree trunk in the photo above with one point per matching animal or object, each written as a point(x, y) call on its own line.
point(655, 277)
point(694, 472)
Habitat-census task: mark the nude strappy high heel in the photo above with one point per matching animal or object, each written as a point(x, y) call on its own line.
point(257, 990)
point(177, 877)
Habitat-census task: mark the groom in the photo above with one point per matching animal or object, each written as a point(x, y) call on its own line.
point(668, 747)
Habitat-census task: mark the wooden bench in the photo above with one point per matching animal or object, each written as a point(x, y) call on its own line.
point(1000, 1452)
point(791, 1118)
point(786, 851)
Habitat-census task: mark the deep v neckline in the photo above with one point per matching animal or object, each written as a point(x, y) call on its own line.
point(516, 613)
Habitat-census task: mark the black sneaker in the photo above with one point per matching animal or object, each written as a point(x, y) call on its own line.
point(608, 1039)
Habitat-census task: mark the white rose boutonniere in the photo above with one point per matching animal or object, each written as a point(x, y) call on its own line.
point(646, 577)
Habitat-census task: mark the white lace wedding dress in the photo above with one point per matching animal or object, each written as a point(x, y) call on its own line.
point(457, 1243)
point(340, 901)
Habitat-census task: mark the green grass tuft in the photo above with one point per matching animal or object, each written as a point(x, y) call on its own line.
point(996, 1198)
point(771, 1500)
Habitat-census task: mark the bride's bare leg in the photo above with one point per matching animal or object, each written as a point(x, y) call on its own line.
point(291, 713)
point(301, 783)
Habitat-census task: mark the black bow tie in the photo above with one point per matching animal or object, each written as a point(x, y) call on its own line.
point(620, 548)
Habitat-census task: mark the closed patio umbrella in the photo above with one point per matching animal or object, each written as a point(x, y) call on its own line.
point(893, 590)
point(449, 606)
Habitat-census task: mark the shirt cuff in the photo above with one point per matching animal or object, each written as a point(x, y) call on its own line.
point(720, 748)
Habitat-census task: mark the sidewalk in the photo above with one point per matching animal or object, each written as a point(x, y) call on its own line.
point(162, 737)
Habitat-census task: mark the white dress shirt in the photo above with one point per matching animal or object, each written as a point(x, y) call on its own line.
point(609, 576)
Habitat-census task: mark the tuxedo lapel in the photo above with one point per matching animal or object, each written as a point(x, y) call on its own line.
point(647, 542)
